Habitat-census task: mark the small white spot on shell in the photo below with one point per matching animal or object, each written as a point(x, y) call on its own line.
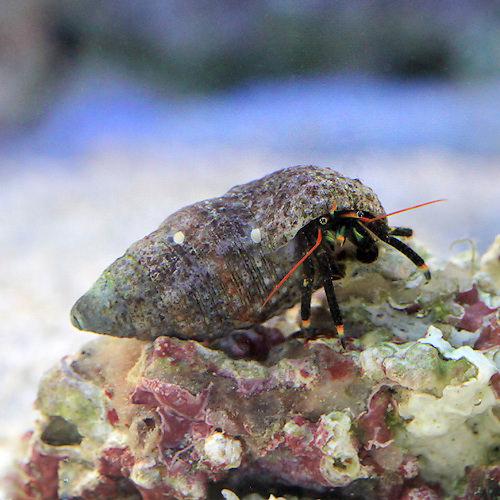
point(229, 495)
point(256, 235)
point(179, 237)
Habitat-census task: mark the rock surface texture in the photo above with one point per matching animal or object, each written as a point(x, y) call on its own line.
point(408, 410)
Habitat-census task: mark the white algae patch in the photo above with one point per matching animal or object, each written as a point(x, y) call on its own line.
point(340, 463)
point(485, 367)
point(145, 473)
point(222, 450)
point(458, 428)
point(433, 416)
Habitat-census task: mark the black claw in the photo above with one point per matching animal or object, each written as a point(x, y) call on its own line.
point(405, 232)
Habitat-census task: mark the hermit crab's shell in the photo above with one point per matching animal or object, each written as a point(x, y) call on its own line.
point(209, 267)
point(280, 204)
point(297, 195)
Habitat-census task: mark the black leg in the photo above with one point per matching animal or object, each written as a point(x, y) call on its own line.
point(338, 268)
point(307, 284)
point(405, 232)
point(411, 254)
point(328, 272)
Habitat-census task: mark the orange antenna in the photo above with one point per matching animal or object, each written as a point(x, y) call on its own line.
point(367, 219)
point(295, 267)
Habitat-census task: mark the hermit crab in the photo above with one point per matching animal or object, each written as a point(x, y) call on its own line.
point(228, 263)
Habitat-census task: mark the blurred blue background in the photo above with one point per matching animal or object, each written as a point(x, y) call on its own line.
point(114, 113)
point(290, 76)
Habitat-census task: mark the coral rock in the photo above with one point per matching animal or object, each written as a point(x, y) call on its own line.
point(408, 410)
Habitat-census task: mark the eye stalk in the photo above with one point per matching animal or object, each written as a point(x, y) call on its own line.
point(323, 221)
point(355, 214)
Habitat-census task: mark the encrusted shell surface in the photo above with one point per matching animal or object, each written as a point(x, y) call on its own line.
point(285, 201)
point(208, 268)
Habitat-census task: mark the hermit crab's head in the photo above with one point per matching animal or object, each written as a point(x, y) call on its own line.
point(362, 230)
point(358, 228)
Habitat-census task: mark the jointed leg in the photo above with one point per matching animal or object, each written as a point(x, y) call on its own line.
point(411, 254)
point(338, 268)
point(328, 272)
point(307, 289)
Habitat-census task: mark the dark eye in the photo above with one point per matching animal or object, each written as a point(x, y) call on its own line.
point(360, 214)
point(323, 220)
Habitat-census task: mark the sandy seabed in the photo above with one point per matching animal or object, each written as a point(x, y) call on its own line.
point(62, 222)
